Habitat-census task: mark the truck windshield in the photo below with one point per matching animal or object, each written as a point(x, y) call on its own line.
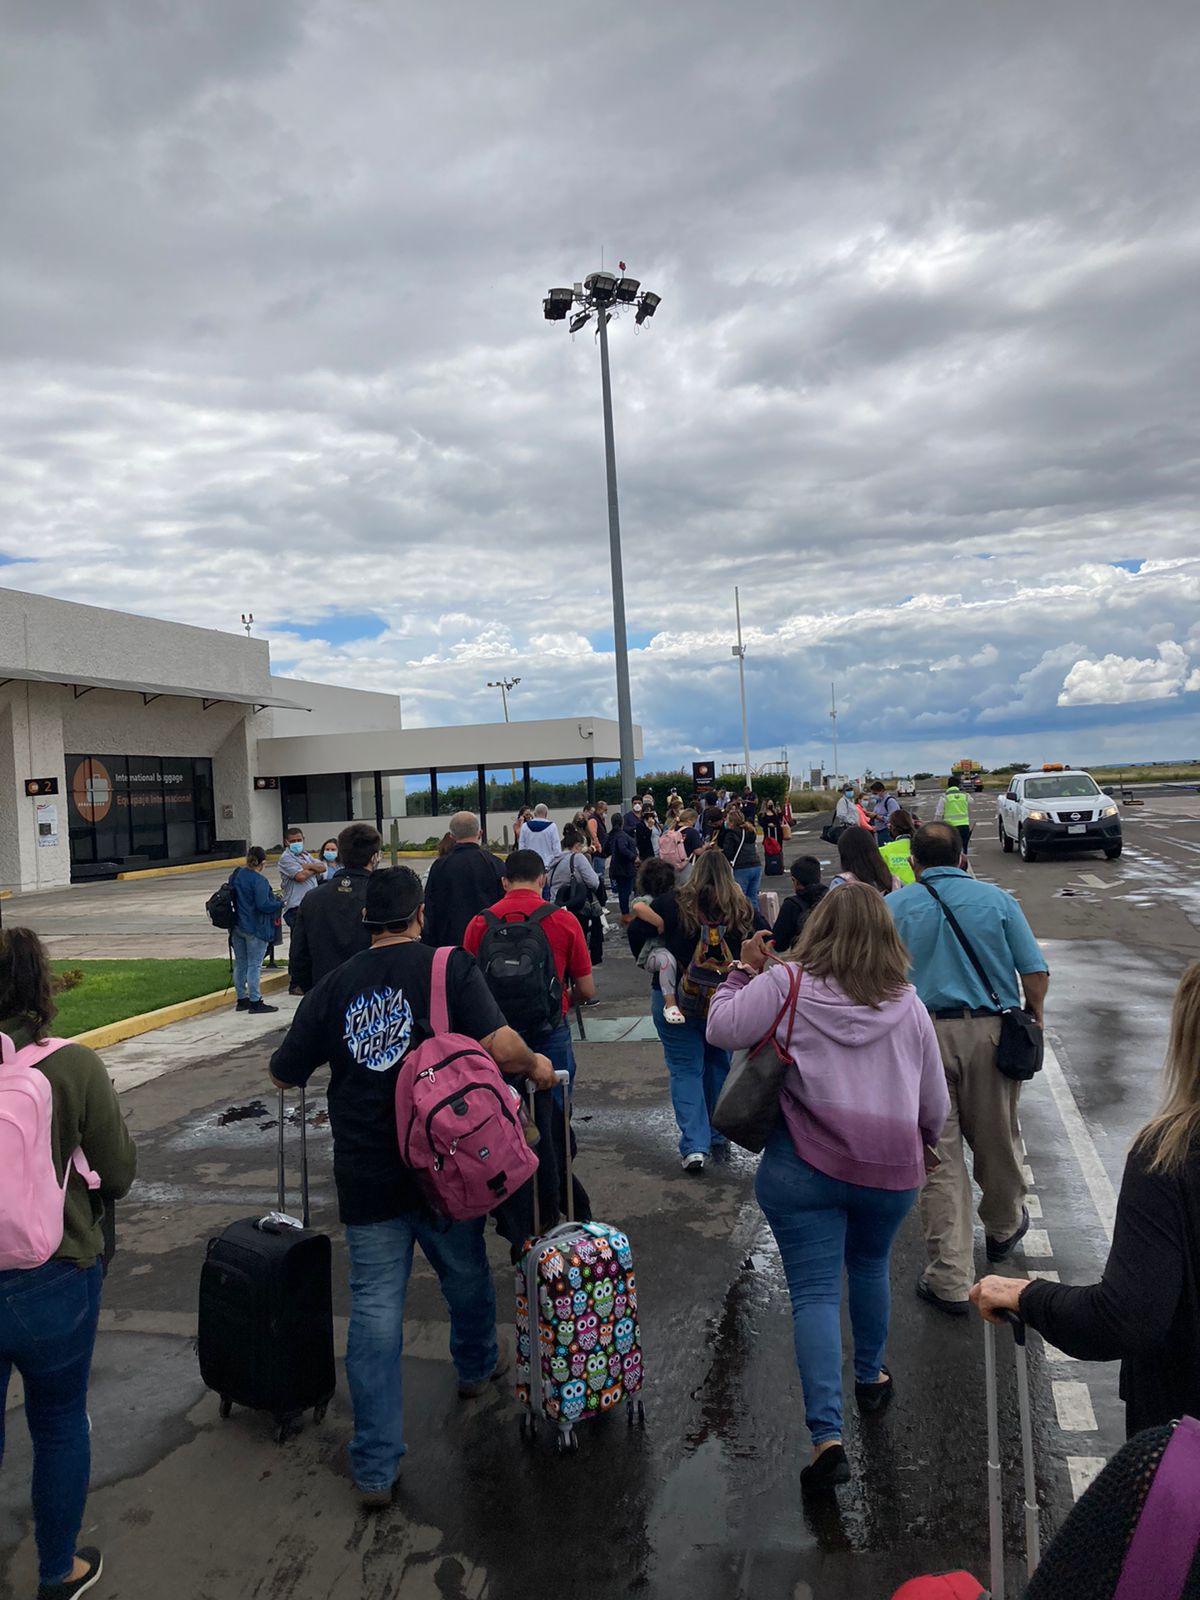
point(1072, 787)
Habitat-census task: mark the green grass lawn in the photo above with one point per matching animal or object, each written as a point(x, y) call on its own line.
point(113, 990)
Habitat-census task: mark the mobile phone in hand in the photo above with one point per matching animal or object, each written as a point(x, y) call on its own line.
point(932, 1160)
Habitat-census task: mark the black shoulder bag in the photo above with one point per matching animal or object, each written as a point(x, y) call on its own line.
point(1022, 1044)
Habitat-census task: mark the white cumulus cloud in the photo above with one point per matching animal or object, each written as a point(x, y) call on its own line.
point(1114, 679)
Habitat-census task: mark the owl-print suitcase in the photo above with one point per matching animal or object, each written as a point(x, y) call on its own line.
point(579, 1347)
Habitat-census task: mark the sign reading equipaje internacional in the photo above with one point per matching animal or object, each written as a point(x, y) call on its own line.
point(149, 808)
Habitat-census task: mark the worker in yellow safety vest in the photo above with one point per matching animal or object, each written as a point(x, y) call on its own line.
point(954, 808)
point(898, 850)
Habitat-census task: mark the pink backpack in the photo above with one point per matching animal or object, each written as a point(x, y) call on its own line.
point(458, 1122)
point(672, 849)
point(31, 1197)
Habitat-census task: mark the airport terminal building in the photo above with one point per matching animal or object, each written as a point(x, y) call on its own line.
point(127, 742)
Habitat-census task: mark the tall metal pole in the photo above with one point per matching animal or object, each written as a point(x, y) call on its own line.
point(833, 715)
point(741, 655)
point(620, 646)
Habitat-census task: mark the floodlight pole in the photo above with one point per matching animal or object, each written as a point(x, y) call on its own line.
point(740, 653)
point(620, 644)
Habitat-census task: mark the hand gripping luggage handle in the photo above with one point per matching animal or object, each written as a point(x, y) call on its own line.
point(282, 1194)
point(1033, 1550)
point(563, 1080)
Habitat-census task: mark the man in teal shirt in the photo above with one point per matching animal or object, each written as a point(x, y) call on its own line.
point(983, 1102)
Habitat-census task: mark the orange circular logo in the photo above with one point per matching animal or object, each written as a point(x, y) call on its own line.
point(92, 790)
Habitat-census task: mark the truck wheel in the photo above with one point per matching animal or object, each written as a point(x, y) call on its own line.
point(1112, 852)
point(1006, 843)
point(1023, 846)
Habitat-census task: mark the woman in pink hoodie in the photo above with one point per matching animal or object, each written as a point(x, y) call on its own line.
point(865, 1101)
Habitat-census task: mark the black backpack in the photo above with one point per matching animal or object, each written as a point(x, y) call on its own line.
point(518, 965)
point(574, 895)
point(222, 912)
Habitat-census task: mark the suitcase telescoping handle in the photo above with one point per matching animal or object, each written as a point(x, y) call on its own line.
point(305, 1214)
point(1033, 1542)
point(563, 1080)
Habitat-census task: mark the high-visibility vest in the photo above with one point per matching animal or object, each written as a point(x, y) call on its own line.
point(897, 853)
point(957, 808)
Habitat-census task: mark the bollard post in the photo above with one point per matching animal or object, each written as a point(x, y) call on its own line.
point(394, 842)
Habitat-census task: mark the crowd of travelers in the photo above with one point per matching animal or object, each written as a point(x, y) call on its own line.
point(899, 1005)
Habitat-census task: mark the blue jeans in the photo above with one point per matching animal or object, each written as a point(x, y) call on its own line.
point(381, 1258)
point(48, 1321)
point(820, 1225)
point(624, 888)
point(558, 1049)
point(698, 1070)
point(248, 954)
point(748, 880)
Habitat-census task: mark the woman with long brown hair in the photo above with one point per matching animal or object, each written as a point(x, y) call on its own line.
point(1145, 1311)
point(50, 1302)
point(843, 1167)
point(703, 924)
point(861, 862)
point(738, 839)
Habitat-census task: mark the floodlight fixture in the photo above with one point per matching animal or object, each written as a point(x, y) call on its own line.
point(627, 289)
point(649, 305)
point(600, 287)
point(580, 320)
point(557, 304)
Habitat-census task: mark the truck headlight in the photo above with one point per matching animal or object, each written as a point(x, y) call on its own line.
point(1037, 816)
point(1109, 811)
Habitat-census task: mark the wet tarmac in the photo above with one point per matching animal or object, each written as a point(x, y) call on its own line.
point(705, 1501)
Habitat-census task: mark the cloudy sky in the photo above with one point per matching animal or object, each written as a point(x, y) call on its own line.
point(922, 384)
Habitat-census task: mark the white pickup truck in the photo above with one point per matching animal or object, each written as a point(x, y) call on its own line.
point(1058, 811)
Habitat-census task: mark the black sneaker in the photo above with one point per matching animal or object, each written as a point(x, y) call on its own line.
point(259, 1008)
point(243, 1005)
point(1001, 1249)
point(952, 1308)
point(74, 1586)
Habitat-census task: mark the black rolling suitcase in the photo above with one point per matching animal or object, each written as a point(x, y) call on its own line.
point(266, 1310)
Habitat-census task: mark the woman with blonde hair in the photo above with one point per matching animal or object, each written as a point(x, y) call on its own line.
point(702, 924)
point(843, 1167)
point(1145, 1311)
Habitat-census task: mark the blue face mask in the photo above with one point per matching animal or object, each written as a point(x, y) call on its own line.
point(330, 855)
point(297, 847)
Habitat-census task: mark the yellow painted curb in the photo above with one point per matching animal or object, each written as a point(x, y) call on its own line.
point(131, 1027)
point(189, 866)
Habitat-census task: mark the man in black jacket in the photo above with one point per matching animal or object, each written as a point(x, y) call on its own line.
point(330, 928)
point(461, 884)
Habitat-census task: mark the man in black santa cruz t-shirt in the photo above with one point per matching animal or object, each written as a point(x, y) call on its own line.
point(363, 1019)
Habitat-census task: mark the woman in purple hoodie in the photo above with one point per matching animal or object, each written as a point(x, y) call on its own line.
point(843, 1167)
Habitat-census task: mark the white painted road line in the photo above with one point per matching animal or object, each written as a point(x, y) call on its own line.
point(1036, 1243)
point(1048, 1276)
point(1099, 1186)
point(1033, 1204)
point(1083, 1469)
point(1073, 1403)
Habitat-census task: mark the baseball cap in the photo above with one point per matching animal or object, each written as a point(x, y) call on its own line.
point(394, 895)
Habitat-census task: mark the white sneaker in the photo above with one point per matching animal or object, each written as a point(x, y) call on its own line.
point(693, 1163)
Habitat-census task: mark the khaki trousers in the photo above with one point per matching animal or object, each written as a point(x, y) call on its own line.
point(983, 1115)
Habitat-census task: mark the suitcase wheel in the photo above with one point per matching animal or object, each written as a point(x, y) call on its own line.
point(285, 1427)
point(225, 1408)
point(320, 1410)
point(635, 1413)
point(567, 1442)
point(528, 1428)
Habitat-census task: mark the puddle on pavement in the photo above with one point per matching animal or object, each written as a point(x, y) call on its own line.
point(255, 1108)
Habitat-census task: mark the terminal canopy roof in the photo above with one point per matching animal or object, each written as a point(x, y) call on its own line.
point(148, 691)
